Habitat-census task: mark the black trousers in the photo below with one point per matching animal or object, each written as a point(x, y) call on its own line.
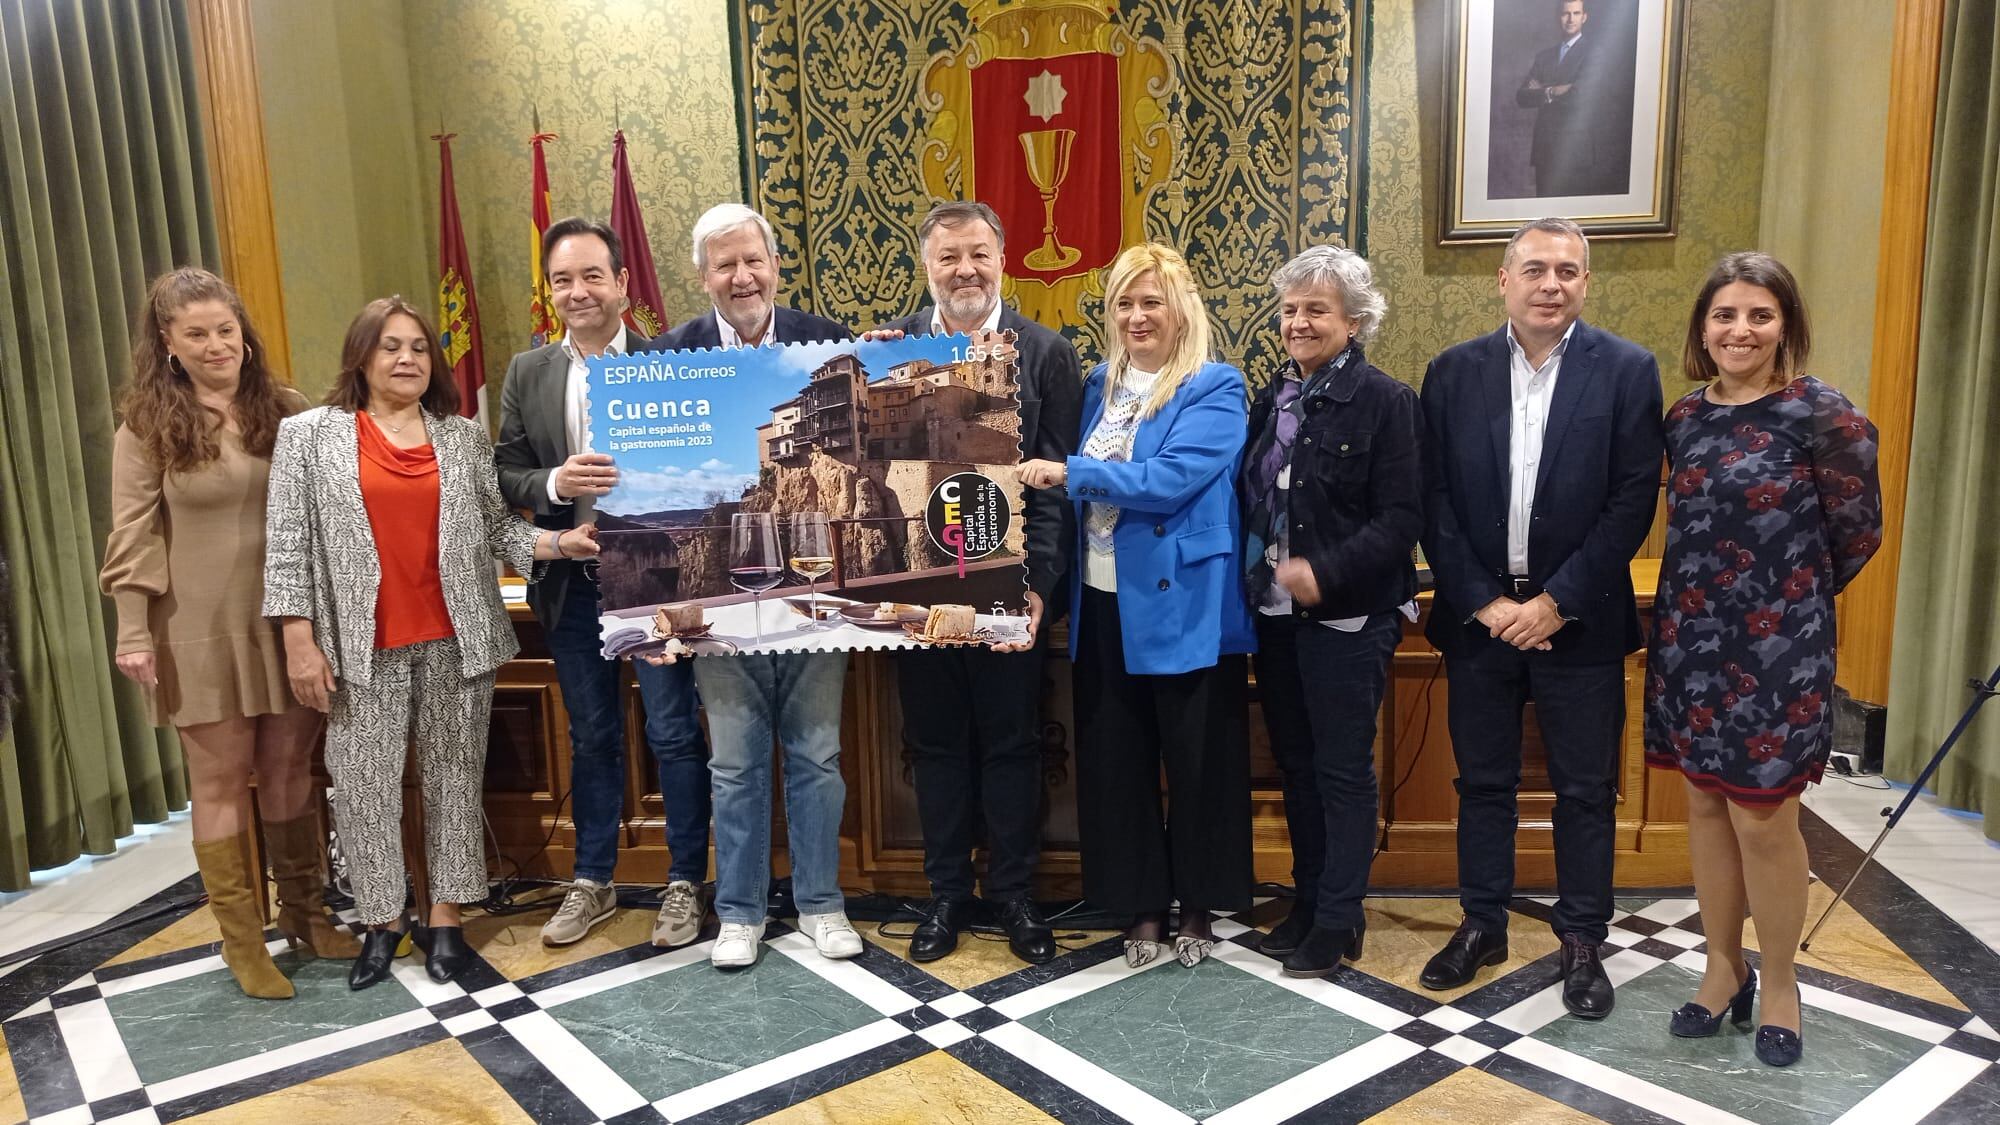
point(1581, 711)
point(971, 724)
point(1128, 728)
point(1322, 692)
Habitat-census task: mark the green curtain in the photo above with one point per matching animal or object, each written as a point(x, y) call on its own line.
point(1948, 594)
point(102, 186)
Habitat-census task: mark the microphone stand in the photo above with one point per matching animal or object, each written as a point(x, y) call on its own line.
point(1981, 692)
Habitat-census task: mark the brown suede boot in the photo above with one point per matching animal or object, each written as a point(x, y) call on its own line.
point(301, 872)
point(225, 872)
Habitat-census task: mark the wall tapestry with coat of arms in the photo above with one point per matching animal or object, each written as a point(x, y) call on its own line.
point(1226, 128)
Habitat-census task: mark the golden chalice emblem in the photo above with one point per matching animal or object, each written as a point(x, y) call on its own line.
point(1047, 151)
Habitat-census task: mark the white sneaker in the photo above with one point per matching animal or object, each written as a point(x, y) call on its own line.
point(736, 945)
point(832, 934)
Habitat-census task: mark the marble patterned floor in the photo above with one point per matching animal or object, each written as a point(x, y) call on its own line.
point(143, 1025)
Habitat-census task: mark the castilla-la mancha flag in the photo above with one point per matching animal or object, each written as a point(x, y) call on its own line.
point(542, 326)
point(458, 309)
point(643, 307)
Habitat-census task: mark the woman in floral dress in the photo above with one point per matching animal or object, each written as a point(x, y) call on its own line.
point(1773, 508)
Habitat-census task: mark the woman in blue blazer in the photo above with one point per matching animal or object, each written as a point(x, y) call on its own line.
point(1158, 623)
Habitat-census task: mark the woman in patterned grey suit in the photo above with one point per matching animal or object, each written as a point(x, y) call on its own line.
point(383, 521)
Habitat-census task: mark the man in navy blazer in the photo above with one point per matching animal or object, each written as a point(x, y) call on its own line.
point(736, 257)
point(748, 699)
point(972, 717)
point(1542, 468)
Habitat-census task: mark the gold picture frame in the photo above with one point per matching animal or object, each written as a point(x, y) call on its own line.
point(1551, 114)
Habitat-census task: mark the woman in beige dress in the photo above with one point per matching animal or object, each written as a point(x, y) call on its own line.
point(185, 566)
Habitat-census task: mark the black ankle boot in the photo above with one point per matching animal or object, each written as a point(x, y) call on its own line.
point(1285, 937)
point(1323, 949)
point(378, 952)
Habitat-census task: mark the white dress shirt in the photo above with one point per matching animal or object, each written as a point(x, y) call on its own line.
point(576, 406)
point(1533, 389)
point(991, 324)
point(731, 338)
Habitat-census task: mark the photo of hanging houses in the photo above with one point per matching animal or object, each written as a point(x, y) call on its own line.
point(962, 410)
point(861, 430)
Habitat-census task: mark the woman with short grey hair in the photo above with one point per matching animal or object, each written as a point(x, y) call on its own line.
point(1332, 503)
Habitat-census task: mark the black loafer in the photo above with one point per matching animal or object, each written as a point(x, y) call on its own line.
point(1323, 949)
point(445, 953)
point(1284, 938)
point(1469, 950)
point(937, 935)
point(1586, 989)
point(1028, 933)
point(1779, 1046)
point(378, 953)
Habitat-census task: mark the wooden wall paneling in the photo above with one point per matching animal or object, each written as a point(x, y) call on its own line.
point(232, 118)
point(527, 764)
point(881, 838)
point(1867, 611)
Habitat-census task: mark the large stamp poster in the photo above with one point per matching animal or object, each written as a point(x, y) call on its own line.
point(810, 497)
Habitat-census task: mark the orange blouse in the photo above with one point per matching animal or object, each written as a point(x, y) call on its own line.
point(399, 487)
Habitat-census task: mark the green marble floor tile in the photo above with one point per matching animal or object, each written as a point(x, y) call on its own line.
point(694, 1024)
point(1633, 905)
point(1199, 1039)
point(192, 1024)
point(1844, 1060)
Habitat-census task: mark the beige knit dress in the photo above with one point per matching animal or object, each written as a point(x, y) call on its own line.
point(185, 566)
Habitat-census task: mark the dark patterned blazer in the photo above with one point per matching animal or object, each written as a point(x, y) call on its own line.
point(320, 560)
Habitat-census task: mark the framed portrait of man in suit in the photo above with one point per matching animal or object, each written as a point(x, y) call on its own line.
point(1562, 107)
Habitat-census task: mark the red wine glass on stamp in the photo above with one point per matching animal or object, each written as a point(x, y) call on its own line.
point(754, 564)
point(812, 557)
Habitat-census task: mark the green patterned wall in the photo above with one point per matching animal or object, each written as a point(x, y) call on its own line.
point(1641, 288)
point(1262, 121)
point(347, 191)
point(354, 177)
point(660, 66)
point(353, 91)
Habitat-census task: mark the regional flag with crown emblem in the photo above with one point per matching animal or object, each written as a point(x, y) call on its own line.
point(458, 309)
point(644, 311)
point(542, 326)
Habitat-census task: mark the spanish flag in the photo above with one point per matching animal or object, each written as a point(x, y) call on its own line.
point(543, 327)
point(458, 309)
point(643, 307)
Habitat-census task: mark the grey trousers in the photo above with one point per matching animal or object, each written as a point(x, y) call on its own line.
point(416, 694)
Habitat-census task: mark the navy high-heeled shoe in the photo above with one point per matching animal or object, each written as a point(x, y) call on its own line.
point(1781, 1046)
point(1692, 1021)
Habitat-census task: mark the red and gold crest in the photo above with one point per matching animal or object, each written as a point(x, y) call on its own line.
point(1056, 117)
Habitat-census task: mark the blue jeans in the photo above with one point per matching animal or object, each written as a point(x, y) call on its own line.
point(796, 698)
point(597, 745)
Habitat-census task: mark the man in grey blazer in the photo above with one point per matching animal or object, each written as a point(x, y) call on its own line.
point(545, 465)
point(971, 717)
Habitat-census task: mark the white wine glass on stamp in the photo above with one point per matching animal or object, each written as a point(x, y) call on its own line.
point(754, 564)
point(812, 557)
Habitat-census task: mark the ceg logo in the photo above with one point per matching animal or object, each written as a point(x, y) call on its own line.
point(968, 517)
